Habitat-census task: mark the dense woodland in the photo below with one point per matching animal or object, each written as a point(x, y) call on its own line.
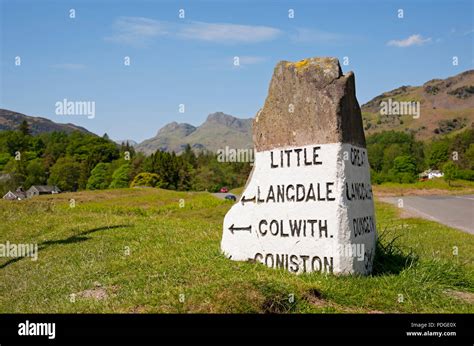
point(399, 157)
point(79, 161)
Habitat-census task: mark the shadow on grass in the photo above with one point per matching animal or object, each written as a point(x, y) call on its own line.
point(78, 238)
point(389, 257)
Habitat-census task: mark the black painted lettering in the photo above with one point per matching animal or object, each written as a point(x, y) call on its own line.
point(312, 222)
point(282, 232)
point(281, 261)
point(259, 200)
point(323, 228)
point(288, 152)
point(316, 264)
point(306, 162)
point(281, 193)
point(267, 257)
point(300, 192)
point(329, 191)
point(319, 193)
point(272, 165)
point(294, 267)
point(304, 258)
point(298, 151)
point(274, 229)
point(288, 198)
point(262, 222)
point(316, 155)
point(271, 194)
point(311, 195)
point(295, 227)
point(328, 267)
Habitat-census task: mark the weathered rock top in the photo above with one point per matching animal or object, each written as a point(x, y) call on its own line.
point(309, 101)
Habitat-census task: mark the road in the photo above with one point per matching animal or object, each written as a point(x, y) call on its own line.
point(453, 211)
point(222, 195)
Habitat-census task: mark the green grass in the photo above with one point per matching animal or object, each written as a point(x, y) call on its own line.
point(174, 263)
point(237, 191)
point(437, 185)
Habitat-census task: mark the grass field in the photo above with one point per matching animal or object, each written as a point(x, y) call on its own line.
point(429, 187)
point(436, 186)
point(151, 250)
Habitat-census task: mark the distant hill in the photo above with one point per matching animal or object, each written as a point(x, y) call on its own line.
point(446, 106)
point(10, 120)
point(218, 131)
point(130, 142)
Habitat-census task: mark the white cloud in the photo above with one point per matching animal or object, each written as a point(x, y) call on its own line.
point(139, 31)
point(136, 31)
point(413, 40)
point(227, 33)
point(69, 66)
point(312, 35)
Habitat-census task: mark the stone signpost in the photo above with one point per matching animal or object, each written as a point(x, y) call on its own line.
point(308, 204)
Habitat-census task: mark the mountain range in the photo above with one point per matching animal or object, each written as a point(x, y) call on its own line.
point(10, 120)
point(445, 106)
point(218, 131)
point(442, 106)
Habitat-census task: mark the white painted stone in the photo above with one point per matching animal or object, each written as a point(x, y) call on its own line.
point(339, 250)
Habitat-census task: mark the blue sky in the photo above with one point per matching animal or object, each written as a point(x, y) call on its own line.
point(190, 61)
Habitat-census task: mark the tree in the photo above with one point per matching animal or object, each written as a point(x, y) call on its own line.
point(65, 174)
point(470, 156)
point(375, 152)
point(383, 148)
point(189, 156)
point(24, 128)
point(438, 154)
point(185, 175)
point(100, 178)
point(121, 177)
point(4, 158)
point(450, 171)
point(404, 164)
point(146, 179)
point(17, 142)
point(94, 149)
point(84, 174)
point(36, 173)
point(56, 144)
point(126, 147)
point(460, 146)
point(17, 171)
point(389, 155)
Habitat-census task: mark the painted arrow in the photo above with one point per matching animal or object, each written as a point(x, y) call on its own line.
point(245, 200)
point(232, 228)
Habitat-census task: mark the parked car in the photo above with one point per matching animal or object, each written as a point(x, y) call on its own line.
point(230, 198)
point(224, 189)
